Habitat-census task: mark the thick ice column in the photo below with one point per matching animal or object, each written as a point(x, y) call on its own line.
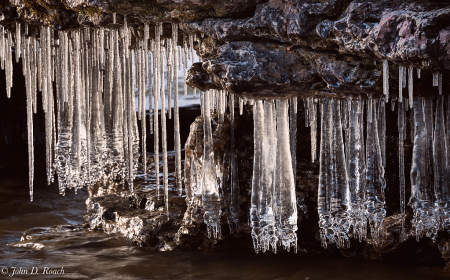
point(375, 182)
point(356, 166)
point(267, 193)
point(211, 197)
point(421, 200)
point(334, 193)
point(440, 166)
point(323, 200)
point(255, 211)
point(285, 205)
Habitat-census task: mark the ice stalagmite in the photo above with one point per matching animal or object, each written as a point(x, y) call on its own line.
point(375, 182)
point(211, 198)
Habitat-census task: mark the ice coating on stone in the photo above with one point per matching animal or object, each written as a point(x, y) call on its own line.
point(386, 79)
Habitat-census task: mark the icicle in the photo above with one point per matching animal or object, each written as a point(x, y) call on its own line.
point(312, 109)
point(421, 201)
point(435, 79)
point(404, 77)
point(164, 133)
point(8, 65)
point(401, 158)
point(185, 61)
point(285, 205)
point(386, 79)
point(30, 136)
point(241, 106)
point(17, 45)
point(234, 204)
point(334, 193)
point(211, 198)
point(401, 73)
point(257, 186)
point(375, 181)
point(410, 85)
point(355, 157)
point(176, 113)
point(293, 135)
point(158, 73)
point(295, 101)
point(440, 163)
point(418, 74)
point(393, 104)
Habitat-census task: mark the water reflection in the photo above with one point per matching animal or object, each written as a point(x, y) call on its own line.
point(93, 255)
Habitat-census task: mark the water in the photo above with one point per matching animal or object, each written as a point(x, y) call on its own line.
point(93, 255)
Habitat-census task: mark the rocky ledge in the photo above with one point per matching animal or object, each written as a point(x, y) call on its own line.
point(278, 47)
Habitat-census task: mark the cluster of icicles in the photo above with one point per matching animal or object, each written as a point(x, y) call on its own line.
point(92, 136)
point(91, 128)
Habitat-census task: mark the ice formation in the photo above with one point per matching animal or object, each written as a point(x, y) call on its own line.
point(91, 130)
point(273, 201)
point(92, 136)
